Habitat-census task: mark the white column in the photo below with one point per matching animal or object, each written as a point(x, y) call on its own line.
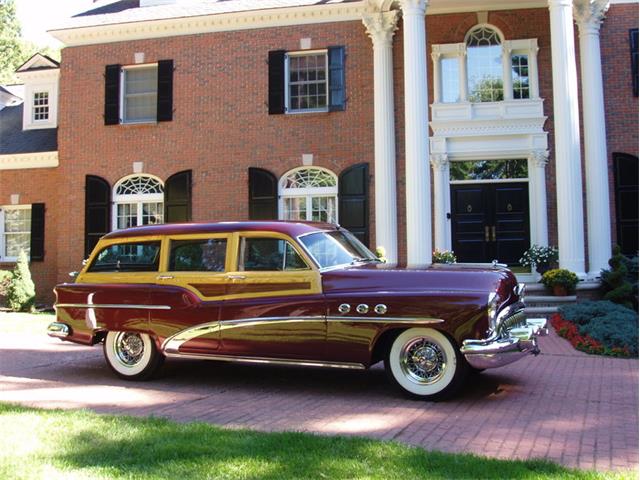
point(381, 27)
point(437, 79)
point(567, 138)
point(589, 15)
point(440, 164)
point(538, 178)
point(507, 79)
point(462, 59)
point(418, 181)
point(534, 85)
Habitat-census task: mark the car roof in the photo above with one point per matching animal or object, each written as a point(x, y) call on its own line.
point(292, 229)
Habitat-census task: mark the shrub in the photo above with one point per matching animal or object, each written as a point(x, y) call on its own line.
point(5, 278)
point(620, 282)
point(613, 327)
point(561, 277)
point(444, 256)
point(21, 293)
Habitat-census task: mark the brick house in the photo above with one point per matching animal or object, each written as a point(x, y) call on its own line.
point(478, 126)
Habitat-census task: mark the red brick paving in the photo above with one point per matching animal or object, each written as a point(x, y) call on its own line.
point(566, 406)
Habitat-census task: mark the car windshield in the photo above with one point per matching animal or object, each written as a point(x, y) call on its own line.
point(340, 247)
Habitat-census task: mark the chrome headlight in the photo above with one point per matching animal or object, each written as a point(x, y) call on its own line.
point(492, 311)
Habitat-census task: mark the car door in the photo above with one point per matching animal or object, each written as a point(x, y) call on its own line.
point(274, 305)
point(192, 283)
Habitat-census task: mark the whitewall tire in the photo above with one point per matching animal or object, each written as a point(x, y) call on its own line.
point(425, 363)
point(131, 355)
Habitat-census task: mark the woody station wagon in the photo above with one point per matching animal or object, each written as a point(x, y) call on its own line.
point(290, 293)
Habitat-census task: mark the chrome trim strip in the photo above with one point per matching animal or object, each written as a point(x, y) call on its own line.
point(268, 361)
point(112, 305)
point(385, 319)
point(259, 320)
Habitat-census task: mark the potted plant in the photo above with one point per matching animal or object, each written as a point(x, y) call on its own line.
point(444, 256)
point(539, 257)
point(561, 281)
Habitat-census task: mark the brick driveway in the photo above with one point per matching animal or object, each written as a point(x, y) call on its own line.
point(569, 407)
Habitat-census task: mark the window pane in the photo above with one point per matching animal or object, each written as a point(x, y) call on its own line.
point(140, 89)
point(295, 208)
point(323, 209)
point(449, 70)
point(520, 76)
point(152, 213)
point(307, 84)
point(16, 242)
point(207, 255)
point(41, 106)
point(127, 215)
point(17, 220)
point(140, 108)
point(488, 169)
point(269, 254)
point(484, 66)
point(128, 257)
point(141, 80)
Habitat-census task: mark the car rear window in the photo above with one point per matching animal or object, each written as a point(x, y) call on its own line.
point(128, 257)
point(203, 255)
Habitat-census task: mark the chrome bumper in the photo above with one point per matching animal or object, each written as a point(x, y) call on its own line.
point(508, 348)
point(58, 330)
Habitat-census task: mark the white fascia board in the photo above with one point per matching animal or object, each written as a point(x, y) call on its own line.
point(281, 17)
point(22, 161)
point(448, 6)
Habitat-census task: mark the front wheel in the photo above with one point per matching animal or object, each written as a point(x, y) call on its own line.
point(425, 364)
point(132, 356)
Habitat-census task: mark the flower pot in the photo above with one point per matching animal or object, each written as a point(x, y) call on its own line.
point(560, 291)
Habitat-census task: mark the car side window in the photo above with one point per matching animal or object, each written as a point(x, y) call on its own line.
point(127, 257)
point(202, 255)
point(269, 254)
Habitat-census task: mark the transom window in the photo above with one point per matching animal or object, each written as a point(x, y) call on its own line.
point(306, 75)
point(138, 200)
point(40, 106)
point(15, 231)
point(139, 94)
point(309, 194)
point(484, 65)
point(488, 170)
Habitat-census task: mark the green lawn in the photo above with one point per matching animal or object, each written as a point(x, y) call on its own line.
point(53, 444)
point(29, 323)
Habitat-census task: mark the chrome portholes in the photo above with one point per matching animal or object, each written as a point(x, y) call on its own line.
point(362, 308)
point(344, 308)
point(128, 348)
point(423, 361)
point(380, 309)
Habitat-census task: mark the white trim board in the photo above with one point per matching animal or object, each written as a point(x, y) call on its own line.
point(21, 161)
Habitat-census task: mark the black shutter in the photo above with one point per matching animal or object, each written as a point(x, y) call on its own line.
point(633, 44)
point(276, 82)
point(177, 197)
point(353, 201)
point(37, 232)
point(165, 91)
point(97, 211)
point(336, 79)
point(263, 195)
point(112, 95)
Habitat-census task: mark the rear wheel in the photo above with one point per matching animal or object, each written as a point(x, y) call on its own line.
point(425, 363)
point(131, 355)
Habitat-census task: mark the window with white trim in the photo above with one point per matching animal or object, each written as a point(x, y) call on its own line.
point(138, 200)
point(139, 93)
point(15, 231)
point(40, 110)
point(309, 194)
point(485, 68)
point(307, 81)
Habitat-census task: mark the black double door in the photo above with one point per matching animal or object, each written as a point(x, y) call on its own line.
point(490, 221)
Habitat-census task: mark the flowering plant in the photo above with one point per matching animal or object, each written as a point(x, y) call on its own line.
point(539, 255)
point(444, 256)
point(561, 277)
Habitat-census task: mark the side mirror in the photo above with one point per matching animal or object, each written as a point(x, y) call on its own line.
point(73, 274)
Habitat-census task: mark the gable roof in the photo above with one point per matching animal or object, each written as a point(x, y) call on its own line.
point(13, 139)
point(38, 61)
point(128, 11)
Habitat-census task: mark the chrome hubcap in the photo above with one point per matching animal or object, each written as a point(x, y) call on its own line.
point(423, 361)
point(129, 348)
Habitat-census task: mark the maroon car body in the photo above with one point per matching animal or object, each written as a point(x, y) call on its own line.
point(269, 293)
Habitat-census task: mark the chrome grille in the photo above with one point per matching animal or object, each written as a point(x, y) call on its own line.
point(518, 319)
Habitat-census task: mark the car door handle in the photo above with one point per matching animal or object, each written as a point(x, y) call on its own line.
point(165, 277)
point(236, 277)
point(493, 233)
point(486, 233)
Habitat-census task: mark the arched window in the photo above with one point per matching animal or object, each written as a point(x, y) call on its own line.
point(484, 64)
point(138, 200)
point(309, 193)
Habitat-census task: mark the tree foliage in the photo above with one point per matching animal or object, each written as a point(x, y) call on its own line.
point(21, 294)
point(14, 50)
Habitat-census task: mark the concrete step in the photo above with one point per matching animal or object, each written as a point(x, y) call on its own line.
point(532, 299)
point(542, 311)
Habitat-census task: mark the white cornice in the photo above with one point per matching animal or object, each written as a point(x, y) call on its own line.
point(280, 17)
point(21, 161)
